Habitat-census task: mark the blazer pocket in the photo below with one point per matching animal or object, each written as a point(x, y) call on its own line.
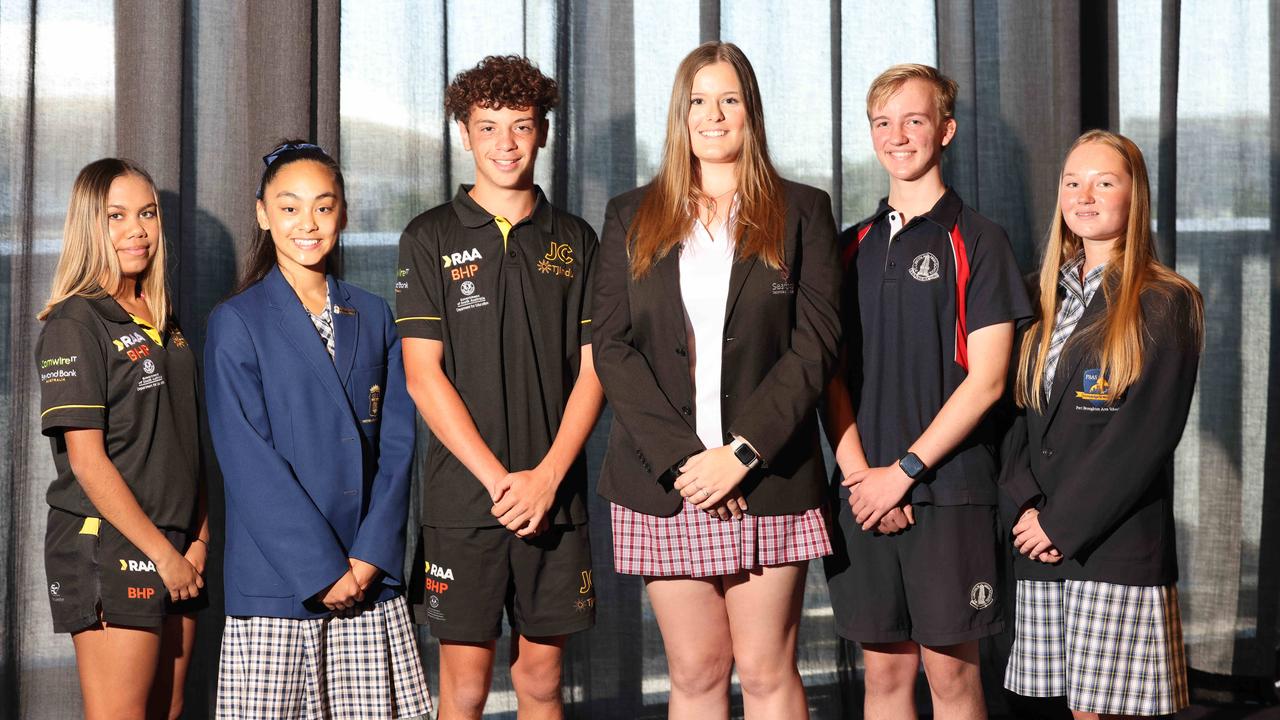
point(368, 389)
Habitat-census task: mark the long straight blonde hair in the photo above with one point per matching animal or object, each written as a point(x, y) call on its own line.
point(88, 265)
point(668, 210)
point(1117, 337)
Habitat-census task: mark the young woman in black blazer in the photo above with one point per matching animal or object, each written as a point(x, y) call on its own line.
point(1105, 376)
point(716, 323)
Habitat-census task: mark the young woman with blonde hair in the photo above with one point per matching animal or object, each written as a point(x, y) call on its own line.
point(716, 323)
point(127, 535)
point(1105, 376)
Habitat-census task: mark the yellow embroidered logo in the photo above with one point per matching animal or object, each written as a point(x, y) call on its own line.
point(558, 260)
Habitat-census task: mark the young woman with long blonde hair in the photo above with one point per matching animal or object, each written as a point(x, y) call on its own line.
point(716, 323)
point(127, 535)
point(1105, 377)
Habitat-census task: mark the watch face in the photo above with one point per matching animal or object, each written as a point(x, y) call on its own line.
point(744, 455)
point(911, 465)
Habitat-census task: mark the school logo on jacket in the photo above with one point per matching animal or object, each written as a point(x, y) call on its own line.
point(925, 267)
point(1093, 390)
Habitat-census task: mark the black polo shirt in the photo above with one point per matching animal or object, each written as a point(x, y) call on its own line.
point(99, 369)
point(513, 313)
point(916, 297)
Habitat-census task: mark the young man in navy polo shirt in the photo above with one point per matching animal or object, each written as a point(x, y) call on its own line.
point(492, 305)
point(932, 293)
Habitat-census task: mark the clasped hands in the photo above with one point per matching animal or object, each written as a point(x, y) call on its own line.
point(521, 500)
point(1030, 539)
point(710, 479)
point(342, 596)
point(875, 497)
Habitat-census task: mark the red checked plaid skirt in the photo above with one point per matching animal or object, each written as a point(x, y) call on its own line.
point(692, 543)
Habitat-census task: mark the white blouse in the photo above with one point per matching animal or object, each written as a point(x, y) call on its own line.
point(706, 260)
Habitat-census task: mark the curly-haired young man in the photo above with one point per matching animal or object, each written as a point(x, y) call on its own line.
point(492, 303)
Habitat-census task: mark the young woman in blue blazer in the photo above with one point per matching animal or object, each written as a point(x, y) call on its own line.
point(314, 432)
point(1105, 377)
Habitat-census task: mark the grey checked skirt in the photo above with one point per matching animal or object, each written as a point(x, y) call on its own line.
point(365, 666)
point(1110, 649)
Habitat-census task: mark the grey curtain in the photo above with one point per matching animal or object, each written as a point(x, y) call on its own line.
point(197, 91)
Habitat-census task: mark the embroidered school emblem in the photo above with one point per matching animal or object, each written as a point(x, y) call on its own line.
point(925, 267)
point(1093, 387)
point(981, 595)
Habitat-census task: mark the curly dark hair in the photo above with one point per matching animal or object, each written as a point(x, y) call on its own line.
point(501, 81)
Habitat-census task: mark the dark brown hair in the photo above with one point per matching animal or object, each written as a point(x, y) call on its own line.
point(501, 81)
point(262, 253)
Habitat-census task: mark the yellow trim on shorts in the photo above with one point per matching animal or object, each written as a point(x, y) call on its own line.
point(91, 526)
point(423, 317)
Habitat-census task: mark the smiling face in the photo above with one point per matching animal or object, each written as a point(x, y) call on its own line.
point(303, 209)
point(908, 133)
point(133, 222)
point(504, 144)
point(1095, 192)
point(717, 117)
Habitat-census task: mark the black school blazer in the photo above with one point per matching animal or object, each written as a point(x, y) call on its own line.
point(780, 340)
point(1103, 476)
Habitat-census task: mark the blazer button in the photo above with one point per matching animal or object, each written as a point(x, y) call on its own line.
point(1047, 452)
point(681, 352)
point(686, 410)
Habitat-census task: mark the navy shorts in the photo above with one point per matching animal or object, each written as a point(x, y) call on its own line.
point(95, 574)
point(463, 579)
point(937, 583)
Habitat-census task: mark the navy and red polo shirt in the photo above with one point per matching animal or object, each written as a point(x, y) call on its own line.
point(916, 292)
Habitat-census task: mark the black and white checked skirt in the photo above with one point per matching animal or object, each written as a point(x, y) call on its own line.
point(1110, 649)
point(365, 666)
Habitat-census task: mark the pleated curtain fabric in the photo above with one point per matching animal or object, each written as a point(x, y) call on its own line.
point(198, 91)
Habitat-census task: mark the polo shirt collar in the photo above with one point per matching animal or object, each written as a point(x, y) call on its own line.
point(943, 213)
point(474, 216)
point(108, 308)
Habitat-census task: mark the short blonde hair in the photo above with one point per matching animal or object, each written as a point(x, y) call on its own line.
point(891, 81)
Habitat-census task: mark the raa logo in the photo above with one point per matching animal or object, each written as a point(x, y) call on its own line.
point(137, 566)
point(438, 587)
point(462, 265)
point(1094, 387)
point(128, 341)
point(558, 260)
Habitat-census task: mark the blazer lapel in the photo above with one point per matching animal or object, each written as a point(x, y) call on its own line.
point(1073, 355)
point(668, 272)
point(737, 278)
point(346, 330)
point(297, 327)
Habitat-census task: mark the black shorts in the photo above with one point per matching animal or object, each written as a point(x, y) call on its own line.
point(463, 579)
point(89, 566)
point(938, 583)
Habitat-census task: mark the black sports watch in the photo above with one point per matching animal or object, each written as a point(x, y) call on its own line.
point(744, 453)
point(912, 465)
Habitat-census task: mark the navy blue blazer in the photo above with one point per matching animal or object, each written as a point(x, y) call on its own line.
point(315, 454)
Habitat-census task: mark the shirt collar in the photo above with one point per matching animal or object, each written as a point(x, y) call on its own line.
point(108, 308)
point(944, 213)
point(474, 216)
point(1069, 276)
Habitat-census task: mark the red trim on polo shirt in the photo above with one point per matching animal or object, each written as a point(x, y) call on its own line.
point(961, 256)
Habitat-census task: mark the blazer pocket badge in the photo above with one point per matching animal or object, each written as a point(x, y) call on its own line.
point(375, 404)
